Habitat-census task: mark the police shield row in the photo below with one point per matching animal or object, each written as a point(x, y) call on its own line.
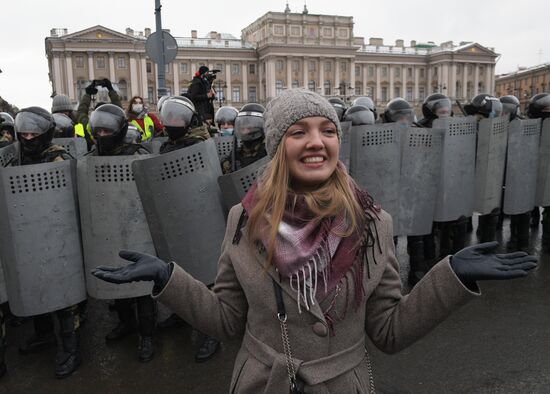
point(45, 221)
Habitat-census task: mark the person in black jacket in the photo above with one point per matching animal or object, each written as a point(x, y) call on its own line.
point(201, 94)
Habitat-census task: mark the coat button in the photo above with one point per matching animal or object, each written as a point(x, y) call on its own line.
point(320, 329)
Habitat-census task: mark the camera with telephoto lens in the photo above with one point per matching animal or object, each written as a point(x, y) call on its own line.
point(211, 75)
point(98, 82)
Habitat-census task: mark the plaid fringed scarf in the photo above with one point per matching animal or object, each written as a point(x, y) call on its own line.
point(309, 251)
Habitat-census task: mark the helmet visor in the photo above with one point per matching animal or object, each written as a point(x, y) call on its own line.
point(104, 121)
point(440, 107)
point(176, 113)
point(28, 122)
point(403, 116)
point(249, 126)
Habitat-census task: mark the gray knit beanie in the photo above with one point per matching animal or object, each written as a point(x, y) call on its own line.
point(288, 108)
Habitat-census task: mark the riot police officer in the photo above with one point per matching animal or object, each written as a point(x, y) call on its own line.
point(486, 106)
point(399, 110)
point(249, 129)
point(64, 127)
point(539, 107)
point(7, 132)
point(181, 123)
point(339, 106)
point(435, 106)
point(35, 129)
point(225, 120)
point(109, 126)
point(359, 115)
point(366, 102)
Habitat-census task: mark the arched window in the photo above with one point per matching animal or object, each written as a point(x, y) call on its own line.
point(327, 88)
point(279, 87)
point(311, 85)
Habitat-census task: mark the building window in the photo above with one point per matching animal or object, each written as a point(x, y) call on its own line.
point(421, 73)
point(358, 91)
point(327, 32)
point(295, 65)
point(121, 62)
point(167, 68)
point(384, 93)
point(79, 61)
point(183, 68)
point(410, 94)
point(357, 71)
point(235, 69)
point(279, 65)
point(327, 88)
point(148, 67)
point(252, 69)
point(236, 94)
point(397, 72)
point(481, 70)
point(312, 65)
point(371, 71)
point(409, 72)
point(435, 71)
point(470, 71)
point(295, 31)
point(123, 89)
point(370, 91)
point(328, 66)
point(311, 85)
point(252, 97)
point(458, 69)
point(100, 62)
point(279, 30)
point(295, 84)
point(396, 91)
point(343, 33)
point(421, 94)
point(343, 67)
point(384, 71)
point(279, 87)
point(81, 87)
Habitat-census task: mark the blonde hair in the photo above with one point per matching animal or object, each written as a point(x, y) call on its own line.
point(333, 196)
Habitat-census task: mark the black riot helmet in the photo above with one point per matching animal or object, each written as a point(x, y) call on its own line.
point(178, 114)
point(109, 127)
point(485, 105)
point(359, 115)
point(64, 127)
point(539, 106)
point(249, 123)
point(399, 110)
point(510, 106)
point(37, 121)
point(366, 102)
point(7, 124)
point(437, 105)
point(339, 106)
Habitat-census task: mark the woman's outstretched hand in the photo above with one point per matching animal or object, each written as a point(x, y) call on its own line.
point(479, 262)
point(144, 268)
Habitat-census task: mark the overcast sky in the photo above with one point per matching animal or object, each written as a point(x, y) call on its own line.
point(519, 31)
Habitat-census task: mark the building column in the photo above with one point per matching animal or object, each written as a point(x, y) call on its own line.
point(445, 79)
point(194, 69)
point(404, 82)
point(488, 79)
point(429, 81)
point(144, 83)
point(476, 80)
point(70, 79)
point(270, 77)
point(57, 83)
point(378, 85)
point(228, 93)
point(391, 71)
point(337, 76)
point(91, 65)
point(289, 72)
point(306, 79)
point(112, 76)
point(452, 88)
point(176, 79)
point(322, 76)
point(244, 93)
point(464, 81)
point(416, 94)
point(352, 76)
point(134, 91)
point(365, 74)
point(260, 82)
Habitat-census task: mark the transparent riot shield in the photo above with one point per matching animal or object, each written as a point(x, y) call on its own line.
point(182, 202)
point(235, 185)
point(543, 174)
point(40, 245)
point(76, 147)
point(9, 153)
point(376, 163)
point(421, 154)
point(456, 188)
point(112, 219)
point(492, 139)
point(345, 146)
point(522, 165)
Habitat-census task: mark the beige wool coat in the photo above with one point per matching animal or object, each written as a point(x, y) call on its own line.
point(242, 303)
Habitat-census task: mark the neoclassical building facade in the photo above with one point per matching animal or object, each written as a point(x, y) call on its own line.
point(279, 50)
point(524, 83)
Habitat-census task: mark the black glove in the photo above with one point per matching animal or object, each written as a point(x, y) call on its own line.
point(478, 262)
point(107, 84)
point(91, 89)
point(144, 268)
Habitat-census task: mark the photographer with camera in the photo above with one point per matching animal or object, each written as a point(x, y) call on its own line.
point(83, 110)
point(202, 94)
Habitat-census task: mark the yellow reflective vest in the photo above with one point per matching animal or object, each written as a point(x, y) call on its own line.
point(79, 130)
point(149, 127)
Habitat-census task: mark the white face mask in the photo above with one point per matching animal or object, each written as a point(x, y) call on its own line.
point(137, 108)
